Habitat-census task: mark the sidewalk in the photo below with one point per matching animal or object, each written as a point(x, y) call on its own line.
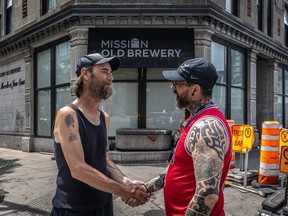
point(28, 180)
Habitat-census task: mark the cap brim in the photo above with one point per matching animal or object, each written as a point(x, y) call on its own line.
point(113, 61)
point(172, 75)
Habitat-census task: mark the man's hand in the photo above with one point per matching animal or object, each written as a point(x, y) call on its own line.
point(138, 194)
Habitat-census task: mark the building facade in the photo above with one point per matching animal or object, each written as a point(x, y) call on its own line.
point(41, 42)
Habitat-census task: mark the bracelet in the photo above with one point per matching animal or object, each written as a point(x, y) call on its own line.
point(146, 188)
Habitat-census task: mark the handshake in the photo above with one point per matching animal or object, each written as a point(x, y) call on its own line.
point(135, 193)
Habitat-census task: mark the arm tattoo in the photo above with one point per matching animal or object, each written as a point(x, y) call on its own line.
point(69, 120)
point(72, 137)
point(156, 183)
point(207, 144)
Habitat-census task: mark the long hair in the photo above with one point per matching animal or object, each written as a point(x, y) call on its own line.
point(78, 87)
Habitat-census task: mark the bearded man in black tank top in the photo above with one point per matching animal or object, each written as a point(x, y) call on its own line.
point(87, 177)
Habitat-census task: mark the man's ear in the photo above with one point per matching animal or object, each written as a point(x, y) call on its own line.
point(196, 88)
point(84, 72)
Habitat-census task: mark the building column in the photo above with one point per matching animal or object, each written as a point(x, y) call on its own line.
point(251, 90)
point(79, 46)
point(27, 139)
point(267, 77)
point(202, 41)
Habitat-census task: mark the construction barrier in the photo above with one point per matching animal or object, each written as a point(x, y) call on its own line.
point(269, 154)
point(233, 158)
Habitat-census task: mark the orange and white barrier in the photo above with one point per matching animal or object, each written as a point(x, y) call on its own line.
point(269, 154)
point(233, 157)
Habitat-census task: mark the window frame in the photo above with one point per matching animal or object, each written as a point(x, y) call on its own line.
point(228, 85)
point(283, 95)
point(259, 14)
point(142, 81)
point(285, 21)
point(52, 87)
point(45, 6)
point(233, 7)
point(8, 17)
point(269, 17)
point(1, 18)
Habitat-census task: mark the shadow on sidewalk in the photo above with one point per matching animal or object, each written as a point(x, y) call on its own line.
point(14, 209)
point(6, 166)
point(155, 213)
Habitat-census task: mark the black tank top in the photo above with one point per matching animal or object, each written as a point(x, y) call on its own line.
point(71, 193)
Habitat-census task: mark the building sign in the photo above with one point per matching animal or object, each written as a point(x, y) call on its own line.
point(13, 83)
point(137, 47)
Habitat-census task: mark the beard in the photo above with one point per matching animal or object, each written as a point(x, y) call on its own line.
point(105, 91)
point(181, 102)
point(102, 91)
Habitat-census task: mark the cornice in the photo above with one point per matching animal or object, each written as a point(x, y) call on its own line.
point(145, 16)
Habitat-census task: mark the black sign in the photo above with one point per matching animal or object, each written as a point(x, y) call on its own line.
point(140, 47)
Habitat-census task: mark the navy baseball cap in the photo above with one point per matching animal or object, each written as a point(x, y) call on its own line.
point(198, 70)
point(96, 59)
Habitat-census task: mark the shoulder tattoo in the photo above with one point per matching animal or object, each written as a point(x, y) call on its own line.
point(207, 144)
point(208, 134)
point(69, 120)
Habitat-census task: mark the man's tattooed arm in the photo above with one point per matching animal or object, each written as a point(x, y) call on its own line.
point(156, 183)
point(207, 144)
point(69, 121)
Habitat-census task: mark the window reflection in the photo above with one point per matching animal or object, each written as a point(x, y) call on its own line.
point(122, 106)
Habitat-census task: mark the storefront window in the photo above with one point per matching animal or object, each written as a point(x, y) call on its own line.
point(44, 68)
point(229, 94)
point(161, 108)
point(219, 97)
point(122, 106)
point(52, 85)
point(63, 97)
point(62, 63)
point(282, 96)
point(279, 109)
point(142, 98)
point(43, 111)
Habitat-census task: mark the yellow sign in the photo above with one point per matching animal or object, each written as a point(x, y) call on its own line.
point(284, 159)
point(283, 138)
point(242, 138)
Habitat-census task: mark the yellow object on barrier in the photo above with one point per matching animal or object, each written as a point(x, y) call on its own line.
point(269, 153)
point(284, 159)
point(283, 138)
point(283, 146)
point(233, 157)
point(242, 138)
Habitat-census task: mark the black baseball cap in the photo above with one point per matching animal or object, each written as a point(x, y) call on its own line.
point(96, 59)
point(198, 70)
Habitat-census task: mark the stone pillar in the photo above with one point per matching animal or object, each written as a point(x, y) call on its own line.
point(251, 91)
point(79, 46)
point(267, 78)
point(202, 40)
point(27, 139)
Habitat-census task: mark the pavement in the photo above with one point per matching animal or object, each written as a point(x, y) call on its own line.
point(28, 182)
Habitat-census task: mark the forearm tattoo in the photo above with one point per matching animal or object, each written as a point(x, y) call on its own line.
point(156, 183)
point(69, 120)
point(207, 144)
